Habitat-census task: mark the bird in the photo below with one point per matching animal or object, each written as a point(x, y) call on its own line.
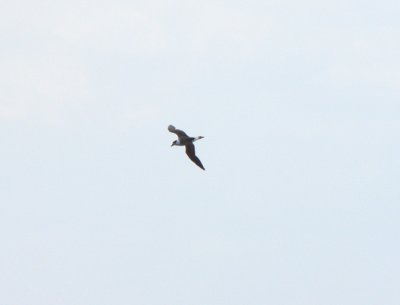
point(185, 140)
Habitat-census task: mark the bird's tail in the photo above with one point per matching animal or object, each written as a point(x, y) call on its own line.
point(198, 138)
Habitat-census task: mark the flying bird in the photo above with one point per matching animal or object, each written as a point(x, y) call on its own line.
point(185, 140)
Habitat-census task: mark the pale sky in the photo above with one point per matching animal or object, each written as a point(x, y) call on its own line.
point(298, 102)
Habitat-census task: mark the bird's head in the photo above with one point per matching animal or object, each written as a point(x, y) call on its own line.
point(174, 143)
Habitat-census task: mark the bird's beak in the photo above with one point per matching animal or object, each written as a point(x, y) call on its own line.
point(172, 144)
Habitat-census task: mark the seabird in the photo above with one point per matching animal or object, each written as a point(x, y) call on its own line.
point(185, 140)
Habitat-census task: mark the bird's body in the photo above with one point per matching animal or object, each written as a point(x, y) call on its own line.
point(185, 140)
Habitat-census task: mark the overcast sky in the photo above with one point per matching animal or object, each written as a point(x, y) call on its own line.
point(298, 102)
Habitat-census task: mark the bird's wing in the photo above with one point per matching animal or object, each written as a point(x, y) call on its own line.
point(178, 132)
point(191, 152)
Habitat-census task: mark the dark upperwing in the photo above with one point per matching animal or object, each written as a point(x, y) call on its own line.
point(181, 134)
point(191, 152)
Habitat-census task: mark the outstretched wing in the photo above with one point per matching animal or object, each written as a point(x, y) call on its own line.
point(179, 133)
point(191, 152)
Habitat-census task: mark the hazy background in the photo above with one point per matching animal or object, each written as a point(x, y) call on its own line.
point(299, 105)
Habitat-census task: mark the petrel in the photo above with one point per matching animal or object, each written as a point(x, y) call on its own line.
point(185, 140)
